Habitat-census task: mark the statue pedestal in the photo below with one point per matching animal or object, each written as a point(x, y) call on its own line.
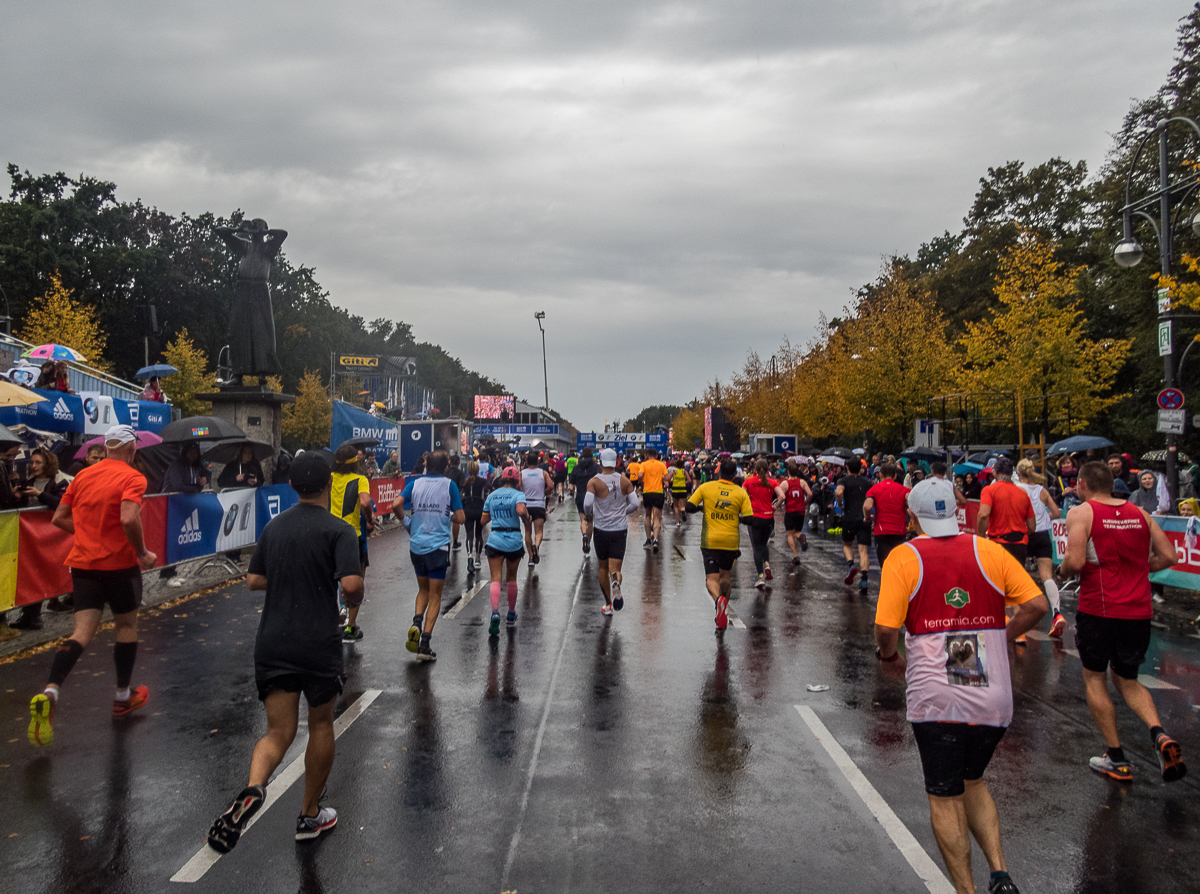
point(257, 412)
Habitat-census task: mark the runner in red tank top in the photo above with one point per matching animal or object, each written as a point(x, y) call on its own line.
point(1108, 542)
point(795, 493)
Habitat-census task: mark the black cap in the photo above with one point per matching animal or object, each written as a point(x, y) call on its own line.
point(309, 473)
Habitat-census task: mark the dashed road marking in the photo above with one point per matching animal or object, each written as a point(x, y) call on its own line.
point(467, 595)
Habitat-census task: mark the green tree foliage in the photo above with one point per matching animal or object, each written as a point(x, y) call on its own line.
point(193, 377)
point(306, 422)
point(651, 418)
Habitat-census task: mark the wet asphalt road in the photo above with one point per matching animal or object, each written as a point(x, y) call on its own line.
point(578, 753)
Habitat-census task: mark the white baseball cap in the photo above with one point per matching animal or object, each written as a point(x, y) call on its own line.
point(120, 434)
point(608, 458)
point(932, 501)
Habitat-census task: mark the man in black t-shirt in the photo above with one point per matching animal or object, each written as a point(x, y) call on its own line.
point(852, 493)
point(301, 557)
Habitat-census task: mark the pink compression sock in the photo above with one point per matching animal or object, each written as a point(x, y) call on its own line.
point(512, 595)
point(494, 590)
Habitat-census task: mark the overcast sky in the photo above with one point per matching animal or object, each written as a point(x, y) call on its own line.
point(674, 184)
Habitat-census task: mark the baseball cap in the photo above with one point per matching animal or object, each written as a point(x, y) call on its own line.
point(309, 473)
point(511, 472)
point(1004, 466)
point(608, 458)
point(932, 501)
point(120, 434)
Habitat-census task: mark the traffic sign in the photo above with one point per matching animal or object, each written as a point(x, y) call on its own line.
point(1165, 346)
point(1171, 422)
point(1170, 399)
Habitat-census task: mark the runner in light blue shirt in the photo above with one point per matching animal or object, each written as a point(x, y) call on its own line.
point(505, 508)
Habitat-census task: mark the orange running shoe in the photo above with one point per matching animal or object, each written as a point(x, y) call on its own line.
point(137, 699)
point(722, 619)
point(1170, 758)
point(1106, 766)
point(1058, 626)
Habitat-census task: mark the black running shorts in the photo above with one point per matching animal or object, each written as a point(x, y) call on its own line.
point(793, 521)
point(885, 543)
point(1121, 642)
point(653, 500)
point(609, 544)
point(510, 556)
point(859, 530)
point(716, 560)
point(1018, 550)
point(954, 752)
point(536, 512)
point(1040, 546)
point(121, 590)
point(317, 688)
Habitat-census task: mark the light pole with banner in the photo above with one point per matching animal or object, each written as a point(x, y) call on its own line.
point(1129, 253)
point(539, 316)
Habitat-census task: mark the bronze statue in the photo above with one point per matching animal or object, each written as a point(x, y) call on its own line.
point(251, 323)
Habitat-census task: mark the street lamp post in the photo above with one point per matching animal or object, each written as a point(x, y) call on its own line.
point(1128, 253)
point(539, 316)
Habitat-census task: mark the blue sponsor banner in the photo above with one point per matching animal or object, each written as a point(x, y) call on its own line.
point(151, 415)
point(416, 438)
point(506, 432)
point(125, 411)
point(193, 522)
point(270, 500)
point(58, 412)
point(349, 422)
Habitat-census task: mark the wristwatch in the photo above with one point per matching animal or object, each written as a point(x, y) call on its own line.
point(895, 655)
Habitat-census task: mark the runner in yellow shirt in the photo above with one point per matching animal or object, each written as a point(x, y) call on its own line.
point(652, 472)
point(725, 506)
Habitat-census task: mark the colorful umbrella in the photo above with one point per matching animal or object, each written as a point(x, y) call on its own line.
point(15, 396)
point(144, 439)
point(54, 352)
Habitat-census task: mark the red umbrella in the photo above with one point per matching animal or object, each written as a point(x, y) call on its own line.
point(144, 439)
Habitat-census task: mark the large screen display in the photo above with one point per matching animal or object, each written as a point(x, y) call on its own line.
point(490, 406)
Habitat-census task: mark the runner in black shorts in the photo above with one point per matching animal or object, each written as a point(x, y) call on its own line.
point(718, 560)
point(852, 492)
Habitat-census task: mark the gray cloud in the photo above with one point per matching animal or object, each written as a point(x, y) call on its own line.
point(674, 184)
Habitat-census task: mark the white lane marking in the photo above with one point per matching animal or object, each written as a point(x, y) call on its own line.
point(908, 846)
point(541, 734)
point(467, 596)
point(1039, 636)
point(681, 553)
point(733, 618)
point(206, 857)
point(1154, 682)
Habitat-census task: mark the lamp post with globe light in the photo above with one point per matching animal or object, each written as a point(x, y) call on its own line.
point(1129, 253)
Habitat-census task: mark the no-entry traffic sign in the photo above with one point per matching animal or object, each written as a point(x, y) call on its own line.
point(1170, 399)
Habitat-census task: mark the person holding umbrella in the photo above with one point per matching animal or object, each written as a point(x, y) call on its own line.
point(153, 391)
point(187, 474)
point(246, 472)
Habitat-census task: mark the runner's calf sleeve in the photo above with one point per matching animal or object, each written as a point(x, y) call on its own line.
point(494, 592)
point(512, 595)
point(124, 655)
point(64, 659)
point(1052, 595)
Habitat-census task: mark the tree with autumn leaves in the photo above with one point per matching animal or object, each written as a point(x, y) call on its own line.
point(56, 317)
point(879, 367)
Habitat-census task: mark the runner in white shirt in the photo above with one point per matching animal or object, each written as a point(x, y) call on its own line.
point(1041, 548)
point(610, 498)
point(536, 483)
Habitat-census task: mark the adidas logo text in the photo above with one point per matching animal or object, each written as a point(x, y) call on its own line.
point(61, 411)
point(191, 529)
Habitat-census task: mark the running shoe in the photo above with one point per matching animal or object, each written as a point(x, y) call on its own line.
point(414, 638)
point(655, 547)
point(1170, 758)
point(456, 546)
point(850, 575)
point(587, 545)
point(606, 609)
point(1021, 640)
point(1058, 626)
point(1003, 885)
point(494, 627)
point(617, 600)
point(426, 653)
point(227, 828)
point(649, 543)
point(722, 618)
point(470, 564)
point(803, 543)
point(310, 827)
point(795, 560)
point(137, 699)
point(862, 584)
point(352, 633)
point(537, 556)
point(511, 621)
point(767, 570)
point(1106, 766)
point(41, 720)
point(761, 583)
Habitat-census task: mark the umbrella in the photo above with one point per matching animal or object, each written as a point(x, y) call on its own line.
point(144, 439)
point(843, 452)
point(361, 443)
point(984, 455)
point(1078, 444)
point(230, 451)
point(1160, 456)
point(833, 460)
point(155, 371)
point(963, 468)
point(381, 405)
point(200, 428)
point(918, 453)
point(361, 393)
point(858, 451)
point(7, 438)
point(54, 352)
point(15, 396)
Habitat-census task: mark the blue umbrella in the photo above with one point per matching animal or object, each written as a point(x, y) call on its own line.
point(963, 468)
point(157, 371)
point(1078, 444)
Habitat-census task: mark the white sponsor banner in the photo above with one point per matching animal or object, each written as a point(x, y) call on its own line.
point(237, 520)
point(98, 413)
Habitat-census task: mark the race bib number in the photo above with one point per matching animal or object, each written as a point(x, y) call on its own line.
point(966, 659)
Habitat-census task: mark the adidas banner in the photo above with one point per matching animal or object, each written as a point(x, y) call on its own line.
point(194, 522)
point(58, 412)
point(269, 501)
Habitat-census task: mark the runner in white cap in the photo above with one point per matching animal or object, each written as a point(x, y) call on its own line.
point(610, 498)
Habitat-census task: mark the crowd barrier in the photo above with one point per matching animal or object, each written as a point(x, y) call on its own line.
point(1184, 574)
point(177, 527)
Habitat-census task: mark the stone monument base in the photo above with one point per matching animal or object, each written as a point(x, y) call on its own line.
point(257, 412)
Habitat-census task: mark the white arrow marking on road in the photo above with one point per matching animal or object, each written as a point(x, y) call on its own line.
point(467, 596)
point(206, 857)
